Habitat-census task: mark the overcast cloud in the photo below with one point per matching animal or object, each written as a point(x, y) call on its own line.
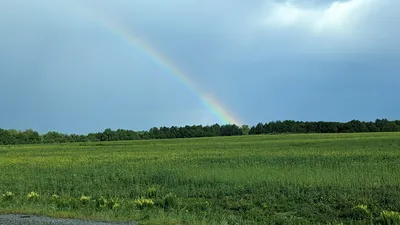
point(264, 60)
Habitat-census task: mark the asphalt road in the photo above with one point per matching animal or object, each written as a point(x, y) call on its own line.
point(36, 220)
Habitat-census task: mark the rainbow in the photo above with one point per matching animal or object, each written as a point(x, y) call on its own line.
point(223, 115)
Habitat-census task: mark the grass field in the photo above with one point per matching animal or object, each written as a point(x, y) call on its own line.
point(271, 179)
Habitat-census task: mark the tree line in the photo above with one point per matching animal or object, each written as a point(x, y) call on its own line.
point(12, 137)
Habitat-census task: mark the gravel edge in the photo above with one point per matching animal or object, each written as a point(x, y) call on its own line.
point(22, 219)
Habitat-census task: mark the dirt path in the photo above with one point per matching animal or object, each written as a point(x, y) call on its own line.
point(38, 220)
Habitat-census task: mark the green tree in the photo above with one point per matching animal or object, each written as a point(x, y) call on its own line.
point(245, 129)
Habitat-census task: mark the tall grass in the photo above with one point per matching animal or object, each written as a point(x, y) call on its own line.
point(231, 180)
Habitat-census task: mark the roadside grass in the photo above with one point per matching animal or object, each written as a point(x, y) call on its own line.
point(266, 179)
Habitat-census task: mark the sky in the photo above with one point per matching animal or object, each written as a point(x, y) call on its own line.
point(69, 65)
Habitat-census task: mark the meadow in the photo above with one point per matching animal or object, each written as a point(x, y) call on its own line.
point(265, 179)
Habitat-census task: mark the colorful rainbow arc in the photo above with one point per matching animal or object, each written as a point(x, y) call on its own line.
point(163, 62)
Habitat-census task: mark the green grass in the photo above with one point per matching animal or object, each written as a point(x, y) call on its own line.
point(270, 179)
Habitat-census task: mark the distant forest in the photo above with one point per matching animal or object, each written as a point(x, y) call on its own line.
point(12, 137)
